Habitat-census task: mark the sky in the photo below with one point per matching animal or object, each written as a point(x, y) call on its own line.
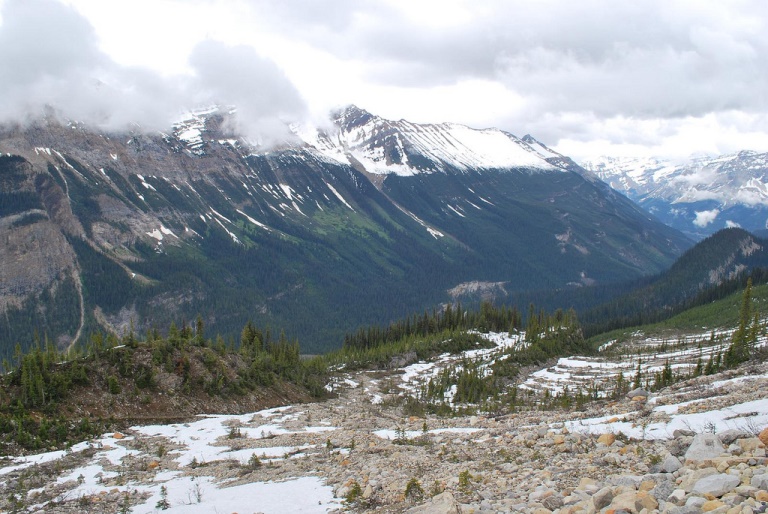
point(660, 78)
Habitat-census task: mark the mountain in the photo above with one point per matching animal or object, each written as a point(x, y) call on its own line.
point(698, 197)
point(353, 224)
point(712, 269)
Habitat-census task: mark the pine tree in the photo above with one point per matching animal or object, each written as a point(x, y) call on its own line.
point(738, 352)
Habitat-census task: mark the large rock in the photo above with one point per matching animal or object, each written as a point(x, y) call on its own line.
point(639, 392)
point(763, 436)
point(750, 444)
point(626, 501)
point(760, 481)
point(704, 447)
point(602, 498)
point(443, 503)
point(670, 464)
point(716, 485)
point(730, 435)
point(607, 439)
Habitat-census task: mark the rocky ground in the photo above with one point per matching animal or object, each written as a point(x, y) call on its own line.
point(698, 446)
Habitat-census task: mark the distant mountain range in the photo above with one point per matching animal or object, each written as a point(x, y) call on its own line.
point(359, 223)
point(698, 197)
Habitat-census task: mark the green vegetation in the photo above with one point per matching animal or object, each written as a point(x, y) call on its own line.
point(718, 313)
point(36, 393)
point(413, 491)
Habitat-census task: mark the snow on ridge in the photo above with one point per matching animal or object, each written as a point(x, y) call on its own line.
point(338, 195)
point(257, 223)
point(446, 145)
point(738, 178)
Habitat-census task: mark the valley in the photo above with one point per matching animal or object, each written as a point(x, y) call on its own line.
point(331, 229)
point(576, 441)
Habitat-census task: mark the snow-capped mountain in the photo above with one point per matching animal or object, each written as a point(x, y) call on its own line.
point(403, 148)
point(333, 228)
point(698, 197)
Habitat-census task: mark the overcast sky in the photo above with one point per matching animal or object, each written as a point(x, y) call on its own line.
point(588, 78)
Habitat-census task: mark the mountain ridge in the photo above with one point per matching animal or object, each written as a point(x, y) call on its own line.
point(161, 227)
point(699, 196)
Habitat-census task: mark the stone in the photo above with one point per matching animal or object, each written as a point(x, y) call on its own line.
point(704, 447)
point(677, 496)
point(625, 501)
point(670, 464)
point(682, 432)
point(722, 466)
point(750, 444)
point(607, 439)
point(729, 436)
point(760, 482)
point(695, 501)
point(761, 496)
point(443, 503)
point(602, 498)
point(763, 436)
point(638, 392)
point(643, 500)
point(716, 485)
point(663, 490)
point(711, 505)
point(552, 502)
point(629, 481)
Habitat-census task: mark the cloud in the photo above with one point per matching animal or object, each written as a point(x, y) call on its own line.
point(579, 67)
point(704, 218)
point(50, 58)
point(671, 77)
point(236, 75)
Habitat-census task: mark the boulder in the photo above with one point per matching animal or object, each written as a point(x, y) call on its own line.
point(716, 485)
point(670, 464)
point(763, 436)
point(729, 436)
point(643, 500)
point(760, 482)
point(639, 392)
point(626, 501)
point(704, 447)
point(443, 503)
point(750, 444)
point(712, 505)
point(607, 439)
point(602, 498)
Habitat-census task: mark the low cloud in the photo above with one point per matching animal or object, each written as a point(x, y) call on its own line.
point(50, 58)
point(704, 218)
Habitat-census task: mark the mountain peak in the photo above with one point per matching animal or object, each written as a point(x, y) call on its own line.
point(351, 116)
point(401, 147)
point(698, 197)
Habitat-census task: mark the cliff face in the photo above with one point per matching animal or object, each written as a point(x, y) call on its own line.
point(34, 252)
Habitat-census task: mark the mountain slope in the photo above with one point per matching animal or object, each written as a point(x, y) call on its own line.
point(698, 197)
point(714, 267)
point(142, 229)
